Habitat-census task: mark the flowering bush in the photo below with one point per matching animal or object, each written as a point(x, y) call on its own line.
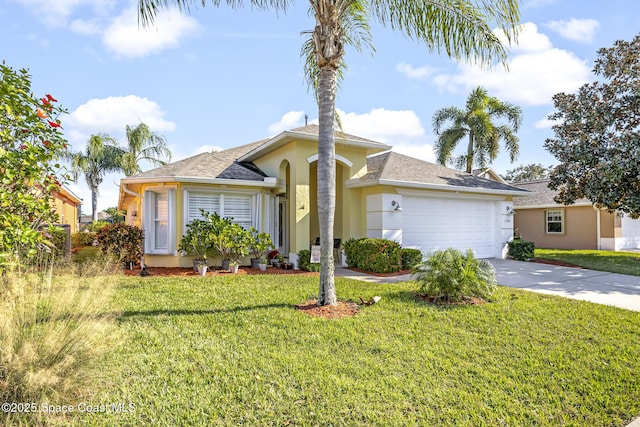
point(30, 142)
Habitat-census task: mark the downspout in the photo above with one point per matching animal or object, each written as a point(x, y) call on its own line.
point(598, 242)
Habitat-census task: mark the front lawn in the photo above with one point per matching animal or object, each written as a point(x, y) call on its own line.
point(611, 261)
point(234, 351)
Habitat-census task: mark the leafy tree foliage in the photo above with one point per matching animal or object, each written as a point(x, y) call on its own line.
point(597, 137)
point(477, 124)
point(530, 172)
point(30, 143)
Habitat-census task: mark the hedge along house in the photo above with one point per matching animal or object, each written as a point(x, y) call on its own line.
point(272, 185)
point(539, 218)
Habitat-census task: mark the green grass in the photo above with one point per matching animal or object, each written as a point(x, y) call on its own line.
point(233, 351)
point(613, 262)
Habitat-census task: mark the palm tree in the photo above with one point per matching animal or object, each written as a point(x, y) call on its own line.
point(143, 144)
point(459, 27)
point(102, 155)
point(476, 123)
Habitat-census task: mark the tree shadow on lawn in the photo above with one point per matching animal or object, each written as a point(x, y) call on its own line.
point(186, 312)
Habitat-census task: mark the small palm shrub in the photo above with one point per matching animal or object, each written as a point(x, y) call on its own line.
point(450, 275)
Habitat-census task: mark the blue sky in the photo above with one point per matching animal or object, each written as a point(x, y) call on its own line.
point(218, 78)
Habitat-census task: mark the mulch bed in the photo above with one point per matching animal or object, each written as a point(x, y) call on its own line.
point(188, 272)
point(339, 311)
point(554, 262)
point(397, 273)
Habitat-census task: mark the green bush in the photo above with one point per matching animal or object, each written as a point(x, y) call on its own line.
point(449, 275)
point(82, 238)
point(410, 258)
point(59, 240)
point(96, 226)
point(304, 261)
point(521, 250)
point(122, 240)
point(374, 255)
point(351, 251)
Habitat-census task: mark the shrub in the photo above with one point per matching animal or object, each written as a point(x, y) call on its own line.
point(452, 276)
point(304, 261)
point(351, 251)
point(410, 258)
point(122, 240)
point(96, 226)
point(83, 238)
point(54, 332)
point(59, 240)
point(375, 255)
point(521, 250)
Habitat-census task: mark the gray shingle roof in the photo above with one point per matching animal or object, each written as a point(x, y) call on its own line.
point(221, 165)
point(541, 194)
point(314, 129)
point(398, 167)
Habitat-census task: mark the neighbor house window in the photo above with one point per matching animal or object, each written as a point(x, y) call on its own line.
point(240, 207)
point(159, 221)
point(555, 221)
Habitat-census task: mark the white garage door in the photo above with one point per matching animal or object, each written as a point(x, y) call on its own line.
point(430, 223)
point(630, 233)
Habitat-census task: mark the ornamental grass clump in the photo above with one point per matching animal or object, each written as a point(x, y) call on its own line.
point(54, 330)
point(452, 276)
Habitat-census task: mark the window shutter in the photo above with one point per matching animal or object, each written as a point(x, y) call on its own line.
point(196, 201)
point(238, 208)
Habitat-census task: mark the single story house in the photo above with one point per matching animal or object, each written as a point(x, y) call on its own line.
point(271, 184)
point(578, 226)
point(67, 205)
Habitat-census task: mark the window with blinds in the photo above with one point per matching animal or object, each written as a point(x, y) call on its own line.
point(236, 206)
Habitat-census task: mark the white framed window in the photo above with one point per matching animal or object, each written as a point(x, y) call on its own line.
point(239, 206)
point(159, 222)
point(554, 221)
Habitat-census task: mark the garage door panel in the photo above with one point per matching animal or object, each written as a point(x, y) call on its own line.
point(438, 223)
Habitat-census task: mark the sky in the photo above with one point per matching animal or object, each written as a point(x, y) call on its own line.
point(216, 78)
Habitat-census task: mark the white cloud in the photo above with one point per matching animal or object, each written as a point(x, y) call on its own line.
point(124, 37)
point(88, 27)
point(111, 115)
point(415, 73)
point(529, 40)
point(288, 121)
point(419, 151)
point(207, 149)
point(579, 30)
point(55, 13)
point(545, 123)
point(537, 71)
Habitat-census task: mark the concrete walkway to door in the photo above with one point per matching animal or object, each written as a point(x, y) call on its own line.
point(619, 290)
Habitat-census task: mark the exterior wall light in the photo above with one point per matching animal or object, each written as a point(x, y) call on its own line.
point(396, 206)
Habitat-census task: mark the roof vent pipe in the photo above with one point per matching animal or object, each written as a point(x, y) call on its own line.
point(306, 119)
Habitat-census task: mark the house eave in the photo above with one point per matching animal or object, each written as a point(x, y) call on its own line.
point(268, 182)
point(356, 183)
point(552, 206)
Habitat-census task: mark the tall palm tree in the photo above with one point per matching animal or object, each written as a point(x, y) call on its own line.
point(101, 155)
point(461, 28)
point(143, 144)
point(477, 123)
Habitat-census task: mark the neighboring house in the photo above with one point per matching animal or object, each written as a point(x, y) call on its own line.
point(578, 226)
point(272, 184)
point(67, 205)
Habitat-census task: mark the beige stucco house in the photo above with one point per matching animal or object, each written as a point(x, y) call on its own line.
point(578, 226)
point(66, 206)
point(271, 184)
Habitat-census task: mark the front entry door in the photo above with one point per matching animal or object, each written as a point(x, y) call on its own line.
point(282, 238)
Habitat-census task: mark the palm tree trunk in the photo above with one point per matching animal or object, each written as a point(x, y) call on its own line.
point(470, 153)
point(326, 182)
point(94, 204)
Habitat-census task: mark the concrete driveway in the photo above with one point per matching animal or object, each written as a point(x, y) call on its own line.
point(619, 290)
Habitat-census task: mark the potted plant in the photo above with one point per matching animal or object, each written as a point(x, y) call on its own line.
point(233, 266)
point(262, 264)
point(197, 242)
point(259, 245)
point(202, 267)
point(273, 257)
point(232, 243)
